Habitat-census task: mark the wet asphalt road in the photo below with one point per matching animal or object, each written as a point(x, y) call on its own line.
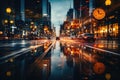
point(65, 60)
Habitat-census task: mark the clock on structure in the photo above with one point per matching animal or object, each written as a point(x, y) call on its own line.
point(99, 13)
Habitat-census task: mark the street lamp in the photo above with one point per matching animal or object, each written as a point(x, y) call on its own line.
point(11, 21)
point(5, 21)
point(8, 11)
point(108, 3)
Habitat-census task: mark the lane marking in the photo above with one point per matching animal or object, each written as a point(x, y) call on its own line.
point(24, 50)
point(38, 60)
point(103, 50)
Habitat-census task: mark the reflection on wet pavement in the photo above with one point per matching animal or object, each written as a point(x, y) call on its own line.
point(64, 61)
point(77, 62)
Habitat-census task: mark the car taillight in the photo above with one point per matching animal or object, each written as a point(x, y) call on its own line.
point(6, 37)
point(85, 37)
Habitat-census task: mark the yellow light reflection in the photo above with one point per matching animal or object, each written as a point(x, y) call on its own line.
point(6, 21)
point(101, 45)
point(108, 76)
point(11, 60)
point(8, 10)
point(8, 73)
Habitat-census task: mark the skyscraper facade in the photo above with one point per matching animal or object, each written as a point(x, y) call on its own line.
point(70, 15)
point(33, 10)
point(22, 9)
point(83, 7)
point(46, 13)
point(76, 6)
point(45, 7)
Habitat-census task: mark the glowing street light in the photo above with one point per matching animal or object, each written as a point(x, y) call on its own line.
point(11, 21)
point(5, 21)
point(8, 10)
point(108, 2)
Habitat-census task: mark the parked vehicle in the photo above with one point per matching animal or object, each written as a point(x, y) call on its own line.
point(57, 38)
point(89, 37)
point(3, 37)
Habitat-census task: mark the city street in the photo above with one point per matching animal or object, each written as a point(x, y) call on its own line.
point(60, 40)
point(59, 60)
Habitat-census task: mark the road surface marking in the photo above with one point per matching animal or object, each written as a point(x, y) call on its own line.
point(102, 50)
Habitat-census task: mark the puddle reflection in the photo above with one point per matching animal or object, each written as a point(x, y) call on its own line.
point(64, 61)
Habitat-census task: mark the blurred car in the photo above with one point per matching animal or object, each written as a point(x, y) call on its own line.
point(88, 37)
point(3, 37)
point(57, 38)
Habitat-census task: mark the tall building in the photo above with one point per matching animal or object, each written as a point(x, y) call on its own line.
point(49, 12)
point(45, 7)
point(39, 12)
point(83, 7)
point(69, 15)
point(22, 9)
point(40, 9)
point(25, 11)
point(33, 10)
point(46, 13)
point(76, 6)
point(91, 7)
